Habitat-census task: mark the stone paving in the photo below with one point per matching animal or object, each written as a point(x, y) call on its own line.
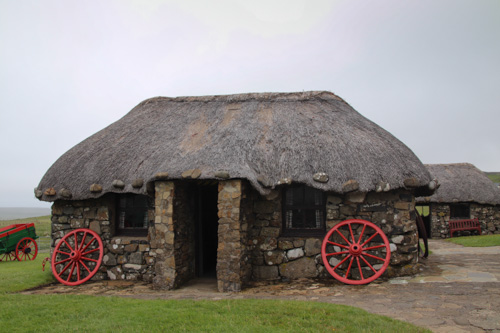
point(458, 290)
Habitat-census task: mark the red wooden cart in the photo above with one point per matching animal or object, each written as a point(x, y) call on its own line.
point(17, 242)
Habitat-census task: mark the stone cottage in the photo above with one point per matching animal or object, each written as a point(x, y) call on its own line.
point(237, 187)
point(465, 192)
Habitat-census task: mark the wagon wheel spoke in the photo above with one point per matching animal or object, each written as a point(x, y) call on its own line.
point(349, 268)
point(63, 261)
point(373, 247)
point(62, 252)
point(71, 271)
point(374, 257)
point(337, 244)
point(69, 247)
point(369, 239)
point(352, 234)
point(337, 253)
point(77, 271)
point(361, 234)
point(85, 266)
point(89, 259)
point(9, 256)
point(359, 267)
point(76, 258)
point(356, 266)
point(83, 241)
point(65, 268)
point(91, 251)
point(343, 237)
point(368, 264)
point(343, 261)
point(88, 244)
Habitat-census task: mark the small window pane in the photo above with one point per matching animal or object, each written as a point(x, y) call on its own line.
point(304, 209)
point(132, 213)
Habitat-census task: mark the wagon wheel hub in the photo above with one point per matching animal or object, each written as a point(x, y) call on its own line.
point(355, 250)
point(75, 255)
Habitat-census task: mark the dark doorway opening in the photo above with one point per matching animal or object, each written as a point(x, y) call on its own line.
point(206, 228)
point(425, 213)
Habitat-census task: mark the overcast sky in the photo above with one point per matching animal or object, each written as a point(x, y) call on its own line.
point(426, 71)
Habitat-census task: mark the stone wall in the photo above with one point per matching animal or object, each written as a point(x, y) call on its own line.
point(251, 243)
point(124, 257)
point(162, 236)
point(488, 215)
point(274, 256)
point(232, 257)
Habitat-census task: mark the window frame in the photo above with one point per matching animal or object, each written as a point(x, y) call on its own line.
point(460, 207)
point(286, 231)
point(132, 231)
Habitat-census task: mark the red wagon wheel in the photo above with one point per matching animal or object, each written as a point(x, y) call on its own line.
point(9, 256)
point(77, 257)
point(356, 252)
point(26, 249)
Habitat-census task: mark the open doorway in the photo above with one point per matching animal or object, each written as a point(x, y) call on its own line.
point(425, 213)
point(206, 228)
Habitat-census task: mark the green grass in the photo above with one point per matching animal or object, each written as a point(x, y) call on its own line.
point(111, 314)
point(476, 241)
point(495, 177)
point(21, 275)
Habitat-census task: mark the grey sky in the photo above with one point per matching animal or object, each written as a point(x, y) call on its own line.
point(426, 71)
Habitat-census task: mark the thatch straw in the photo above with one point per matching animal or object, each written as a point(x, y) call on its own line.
point(264, 138)
point(462, 182)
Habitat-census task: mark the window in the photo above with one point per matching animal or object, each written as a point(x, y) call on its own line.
point(132, 214)
point(303, 211)
point(459, 211)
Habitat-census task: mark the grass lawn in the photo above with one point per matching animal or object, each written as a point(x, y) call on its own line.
point(17, 276)
point(476, 241)
point(57, 313)
point(111, 314)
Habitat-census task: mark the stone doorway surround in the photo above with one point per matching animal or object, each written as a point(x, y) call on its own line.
point(173, 267)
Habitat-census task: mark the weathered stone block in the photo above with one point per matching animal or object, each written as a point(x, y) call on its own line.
point(312, 246)
point(356, 197)
point(95, 226)
point(109, 259)
point(131, 247)
point(295, 253)
point(135, 258)
point(274, 257)
point(285, 245)
point(402, 205)
point(301, 268)
point(270, 232)
point(264, 207)
point(265, 272)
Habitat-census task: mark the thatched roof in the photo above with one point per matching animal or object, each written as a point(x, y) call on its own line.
point(462, 182)
point(268, 139)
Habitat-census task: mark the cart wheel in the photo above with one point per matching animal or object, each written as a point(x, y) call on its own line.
point(77, 257)
point(356, 252)
point(9, 256)
point(26, 249)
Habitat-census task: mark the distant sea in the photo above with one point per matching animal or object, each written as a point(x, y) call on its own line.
point(14, 213)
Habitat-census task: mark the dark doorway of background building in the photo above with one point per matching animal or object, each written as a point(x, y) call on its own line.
point(425, 212)
point(206, 230)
